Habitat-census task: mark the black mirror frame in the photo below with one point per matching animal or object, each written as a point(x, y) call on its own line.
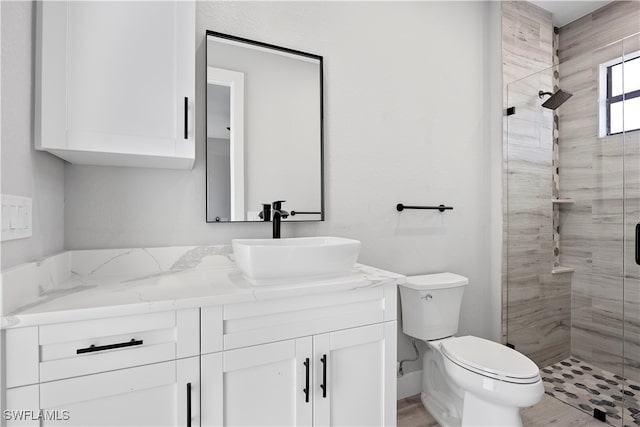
point(281, 49)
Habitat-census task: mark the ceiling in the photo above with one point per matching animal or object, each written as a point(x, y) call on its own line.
point(566, 11)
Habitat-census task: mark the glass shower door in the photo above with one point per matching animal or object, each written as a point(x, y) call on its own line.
point(567, 231)
point(629, 77)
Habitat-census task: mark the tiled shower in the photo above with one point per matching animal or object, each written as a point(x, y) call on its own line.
point(572, 187)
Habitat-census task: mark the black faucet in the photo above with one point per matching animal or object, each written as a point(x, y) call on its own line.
point(277, 213)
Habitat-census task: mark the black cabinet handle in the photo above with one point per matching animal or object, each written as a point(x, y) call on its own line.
point(323, 386)
point(188, 404)
point(94, 347)
point(638, 243)
point(186, 117)
point(306, 389)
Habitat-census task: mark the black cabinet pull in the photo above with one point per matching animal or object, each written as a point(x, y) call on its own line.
point(638, 243)
point(186, 117)
point(306, 389)
point(323, 386)
point(188, 404)
point(94, 347)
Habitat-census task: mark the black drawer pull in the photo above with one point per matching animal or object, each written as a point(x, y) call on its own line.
point(637, 245)
point(323, 386)
point(306, 389)
point(186, 117)
point(188, 404)
point(94, 347)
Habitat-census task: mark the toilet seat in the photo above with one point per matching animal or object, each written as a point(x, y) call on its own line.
point(490, 359)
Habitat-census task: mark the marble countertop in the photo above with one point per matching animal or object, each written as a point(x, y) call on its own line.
point(80, 285)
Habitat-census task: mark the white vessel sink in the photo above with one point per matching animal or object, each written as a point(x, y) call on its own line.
point(276, 261)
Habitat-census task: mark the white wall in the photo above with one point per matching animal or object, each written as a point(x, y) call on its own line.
point(24, 171)
point(410, 117)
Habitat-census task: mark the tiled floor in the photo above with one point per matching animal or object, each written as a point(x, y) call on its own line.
point(587, 387)
point(549, 412)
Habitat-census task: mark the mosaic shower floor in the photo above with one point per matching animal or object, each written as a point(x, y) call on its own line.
point(587, 387)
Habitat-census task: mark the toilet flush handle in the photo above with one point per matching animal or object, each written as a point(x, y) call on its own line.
point(427, 297)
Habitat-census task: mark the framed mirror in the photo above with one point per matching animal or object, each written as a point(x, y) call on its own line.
point(264, 132)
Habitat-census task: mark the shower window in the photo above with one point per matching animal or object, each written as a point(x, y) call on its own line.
point(621, 81)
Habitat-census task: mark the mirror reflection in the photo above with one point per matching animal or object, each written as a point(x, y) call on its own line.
point(264, 130)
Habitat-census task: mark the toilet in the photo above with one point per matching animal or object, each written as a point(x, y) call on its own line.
point(466, 381)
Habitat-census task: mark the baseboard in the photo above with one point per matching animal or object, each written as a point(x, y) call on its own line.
point(409, 384)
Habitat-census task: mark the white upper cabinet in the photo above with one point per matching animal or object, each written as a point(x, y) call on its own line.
point(116, 83)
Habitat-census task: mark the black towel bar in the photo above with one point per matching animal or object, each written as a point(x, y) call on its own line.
point(294, 213)
point(400, 207)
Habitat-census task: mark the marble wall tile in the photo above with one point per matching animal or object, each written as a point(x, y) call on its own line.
point(29, 282)
point(575, 145)
point(25, 282)
point(579, 345)
point(113, 262)
point(615, 22)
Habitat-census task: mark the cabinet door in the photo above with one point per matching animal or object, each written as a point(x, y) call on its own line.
point(123, 71)
point(21, 405)
point(161, 394)
point(355, 381)
point(262, 385)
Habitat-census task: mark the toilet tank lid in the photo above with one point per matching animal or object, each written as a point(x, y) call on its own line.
point(435, 281)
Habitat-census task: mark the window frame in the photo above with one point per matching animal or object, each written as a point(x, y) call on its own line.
point(608, 99)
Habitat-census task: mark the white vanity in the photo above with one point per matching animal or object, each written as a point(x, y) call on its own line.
point(177, 336)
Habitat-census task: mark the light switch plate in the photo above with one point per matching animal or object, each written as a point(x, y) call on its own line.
point(16, 217)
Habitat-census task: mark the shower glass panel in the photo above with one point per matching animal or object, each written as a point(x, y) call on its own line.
point(572, 285)
point(538, 302)
point(631, 208)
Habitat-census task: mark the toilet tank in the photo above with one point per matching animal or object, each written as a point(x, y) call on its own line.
point(431, 305)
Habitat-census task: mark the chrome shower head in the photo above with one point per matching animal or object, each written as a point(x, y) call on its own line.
point(556, 99)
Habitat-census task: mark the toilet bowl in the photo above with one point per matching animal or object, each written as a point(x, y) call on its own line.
point(467, 381)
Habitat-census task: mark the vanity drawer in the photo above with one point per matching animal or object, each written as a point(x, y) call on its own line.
point(81, 348)
point(253, 323)
point(66, 350)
